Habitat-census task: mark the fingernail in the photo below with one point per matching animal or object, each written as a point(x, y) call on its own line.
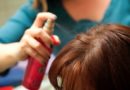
point(55, 39)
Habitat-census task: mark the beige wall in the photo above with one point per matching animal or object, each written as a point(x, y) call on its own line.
point(8, 8)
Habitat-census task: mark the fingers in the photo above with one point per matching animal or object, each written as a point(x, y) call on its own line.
point(35, 49)
point(33, 53)
point(42, 17)
point(36, 45)
point(40, 34)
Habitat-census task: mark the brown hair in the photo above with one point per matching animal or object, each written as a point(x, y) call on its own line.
point(95, 60)
point(42, 3)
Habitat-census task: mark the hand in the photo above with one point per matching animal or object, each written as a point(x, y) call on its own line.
point(30, 45)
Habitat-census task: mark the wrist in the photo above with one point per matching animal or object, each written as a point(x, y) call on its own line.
point(19, 53)
point(9, 55)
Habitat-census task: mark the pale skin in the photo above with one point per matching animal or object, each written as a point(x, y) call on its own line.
point(11, 53)
point(86, 9)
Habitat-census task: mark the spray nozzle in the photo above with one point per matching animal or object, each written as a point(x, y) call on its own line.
point(49, 26)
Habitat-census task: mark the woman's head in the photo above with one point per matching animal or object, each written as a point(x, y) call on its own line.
point(96, 60)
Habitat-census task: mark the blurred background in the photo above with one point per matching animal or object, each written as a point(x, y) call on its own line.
point(8, 8)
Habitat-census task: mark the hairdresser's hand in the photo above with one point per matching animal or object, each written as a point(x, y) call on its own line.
point(29, 43)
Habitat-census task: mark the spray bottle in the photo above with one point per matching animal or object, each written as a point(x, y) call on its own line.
point(35, 70)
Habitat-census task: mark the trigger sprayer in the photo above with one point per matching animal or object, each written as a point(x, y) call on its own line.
point(35, 70)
